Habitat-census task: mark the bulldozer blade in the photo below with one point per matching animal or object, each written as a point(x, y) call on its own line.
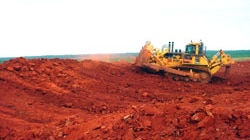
point(143, 57)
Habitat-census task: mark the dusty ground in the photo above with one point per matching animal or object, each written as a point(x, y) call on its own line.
point(67, 99)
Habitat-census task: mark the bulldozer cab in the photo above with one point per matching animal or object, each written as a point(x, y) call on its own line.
point(195, 54)
point(195, 48)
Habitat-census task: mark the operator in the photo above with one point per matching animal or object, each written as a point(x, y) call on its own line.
point(201, 47)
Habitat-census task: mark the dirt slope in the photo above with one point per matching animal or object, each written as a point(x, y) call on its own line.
point(68, 99)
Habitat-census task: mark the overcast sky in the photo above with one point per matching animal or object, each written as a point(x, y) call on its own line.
point(46, 27)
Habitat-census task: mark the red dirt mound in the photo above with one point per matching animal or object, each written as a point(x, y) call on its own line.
point(69, 99)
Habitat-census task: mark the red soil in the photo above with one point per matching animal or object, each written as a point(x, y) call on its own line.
point(68, 99)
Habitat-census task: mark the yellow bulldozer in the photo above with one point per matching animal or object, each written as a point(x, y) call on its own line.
point(189, 65)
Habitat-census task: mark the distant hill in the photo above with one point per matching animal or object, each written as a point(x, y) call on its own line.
point(235, 54)
point(129, 57)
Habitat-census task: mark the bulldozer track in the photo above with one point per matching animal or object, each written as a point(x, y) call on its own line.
point(180, 73)
point(204, 74)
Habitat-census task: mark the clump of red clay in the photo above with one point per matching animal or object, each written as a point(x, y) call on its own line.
point(69, 99)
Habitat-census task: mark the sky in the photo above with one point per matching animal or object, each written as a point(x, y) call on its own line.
point(52, 27)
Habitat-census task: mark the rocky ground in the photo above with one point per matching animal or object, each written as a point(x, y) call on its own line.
point(68, 99)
